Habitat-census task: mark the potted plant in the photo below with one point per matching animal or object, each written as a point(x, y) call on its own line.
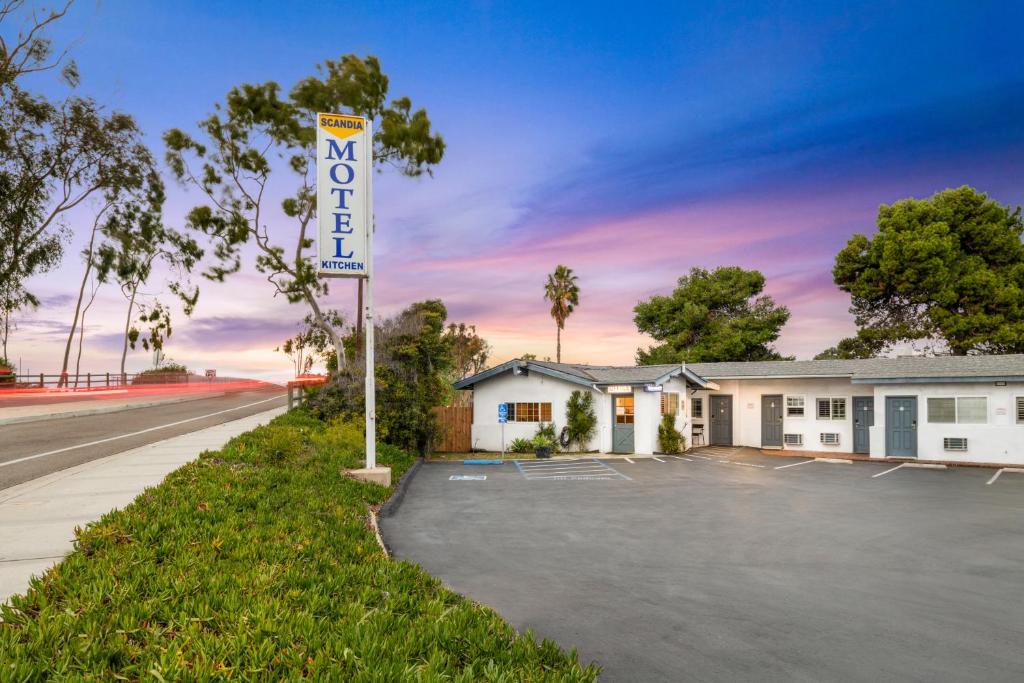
point(542, 445)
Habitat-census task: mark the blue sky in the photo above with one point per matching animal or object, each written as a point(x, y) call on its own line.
point(629, 141)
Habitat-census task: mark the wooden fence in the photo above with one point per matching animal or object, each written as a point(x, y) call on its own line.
point(456, 423)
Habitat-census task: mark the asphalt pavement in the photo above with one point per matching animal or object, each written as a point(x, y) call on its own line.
point(35, 449)
point(727, 565)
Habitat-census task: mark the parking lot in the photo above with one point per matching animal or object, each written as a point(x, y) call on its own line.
point(725, 564)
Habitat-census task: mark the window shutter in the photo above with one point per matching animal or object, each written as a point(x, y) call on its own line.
point(545, 412)
point(1020, 409)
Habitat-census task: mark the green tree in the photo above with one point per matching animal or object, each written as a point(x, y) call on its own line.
point(564, 294)
point(859, 346)
point(948, 270)
point(136, 240)
point(232, 167)
point(580, 418)
point(413, 364)
point(719, 315)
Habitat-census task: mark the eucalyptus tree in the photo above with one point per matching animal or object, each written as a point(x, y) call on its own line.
point(564, 294)
point(136, 240)
point(244, 142)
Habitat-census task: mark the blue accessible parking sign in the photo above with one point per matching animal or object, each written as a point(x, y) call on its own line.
point(502, 413)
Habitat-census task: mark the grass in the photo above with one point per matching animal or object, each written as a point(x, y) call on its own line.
point(256, 563)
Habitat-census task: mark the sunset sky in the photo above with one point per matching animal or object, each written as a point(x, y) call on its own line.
point(627, 141)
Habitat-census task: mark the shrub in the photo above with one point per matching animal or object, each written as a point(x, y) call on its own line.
point(256, 562)
point(520, 446)
point(547, 434)
point(580, 418)
point(670, 440)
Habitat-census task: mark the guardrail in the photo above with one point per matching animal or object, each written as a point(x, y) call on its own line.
point(297, 389)
point(102, 380)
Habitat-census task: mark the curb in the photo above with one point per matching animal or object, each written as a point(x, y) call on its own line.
point(101, 411)
point(392, 504)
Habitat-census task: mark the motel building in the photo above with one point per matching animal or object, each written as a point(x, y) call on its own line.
point(952, 408)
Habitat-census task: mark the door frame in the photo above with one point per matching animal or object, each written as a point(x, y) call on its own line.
point(853, 406)
point(782, 415)
point(712, 399)
point(633, 424)
point(888, 440)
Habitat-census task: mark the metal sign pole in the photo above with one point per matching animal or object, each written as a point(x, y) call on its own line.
point(371, 386)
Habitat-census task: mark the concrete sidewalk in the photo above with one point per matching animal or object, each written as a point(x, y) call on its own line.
point(38, 518)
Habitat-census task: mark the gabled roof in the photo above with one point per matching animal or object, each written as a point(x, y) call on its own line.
point(877, 370)
point(590, 375)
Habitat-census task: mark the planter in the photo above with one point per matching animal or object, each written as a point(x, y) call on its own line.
point(544, 452)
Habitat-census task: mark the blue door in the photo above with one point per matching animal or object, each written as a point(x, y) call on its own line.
point(622, 423)
point(901, 426)
point(863, 420)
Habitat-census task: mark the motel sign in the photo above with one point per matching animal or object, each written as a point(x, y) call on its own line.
point(344, 148)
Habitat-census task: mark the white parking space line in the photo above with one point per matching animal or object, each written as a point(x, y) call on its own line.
point(591, 468)
point(744, 464)
point(658, 459)
point(795, 464)
point(994, 477)
point(893, 469)
point(630, 461)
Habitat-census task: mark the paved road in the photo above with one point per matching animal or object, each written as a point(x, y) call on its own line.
point(28, 450)
point(723, 568)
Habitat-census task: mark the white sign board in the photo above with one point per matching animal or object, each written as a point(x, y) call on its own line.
point(344, 170)
point(211, 373)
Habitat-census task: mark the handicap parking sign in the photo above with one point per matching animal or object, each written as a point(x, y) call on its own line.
point(502, 413)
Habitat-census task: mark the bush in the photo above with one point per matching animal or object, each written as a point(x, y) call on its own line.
point(670, 439)
point(256, 562)
point(580, 418)
point(520, 446)
point(546, 434)
point(165, 374)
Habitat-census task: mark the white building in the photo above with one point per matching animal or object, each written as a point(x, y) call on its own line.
point(954, 408)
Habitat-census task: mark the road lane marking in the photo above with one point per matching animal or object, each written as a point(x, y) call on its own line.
point(873, 476)
point(794, 464)
point(994, 477)
point(141, 431)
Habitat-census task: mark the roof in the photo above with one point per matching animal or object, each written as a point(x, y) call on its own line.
point(876, 370)
point(590, 375)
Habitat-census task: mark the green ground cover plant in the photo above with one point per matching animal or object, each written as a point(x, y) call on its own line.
point(256, 562)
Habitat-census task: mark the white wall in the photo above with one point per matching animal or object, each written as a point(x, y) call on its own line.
point(999, 440)
point(533, 387)
point(746, 410)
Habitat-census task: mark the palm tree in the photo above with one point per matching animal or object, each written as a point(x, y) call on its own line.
point(564, 295)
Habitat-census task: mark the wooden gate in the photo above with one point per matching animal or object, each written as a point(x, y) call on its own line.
point(456, 423)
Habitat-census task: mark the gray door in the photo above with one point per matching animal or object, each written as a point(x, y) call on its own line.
point(901, 426)
point(721, 421)
point(863, 417)
point(622, 423)
point(771, 421)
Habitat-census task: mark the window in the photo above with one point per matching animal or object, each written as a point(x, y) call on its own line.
point(624, 410)
point(942, 410)
point(696, 407)
point(972, 410)
point(529, 412)
point(794, 406)
point(962, 410)
point(669, 403)
point(831, 408)
point(1020, 409)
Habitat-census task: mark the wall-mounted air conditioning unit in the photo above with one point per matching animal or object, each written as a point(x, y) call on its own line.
point(793, 439)
point(954, 443)
point(829, 439)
